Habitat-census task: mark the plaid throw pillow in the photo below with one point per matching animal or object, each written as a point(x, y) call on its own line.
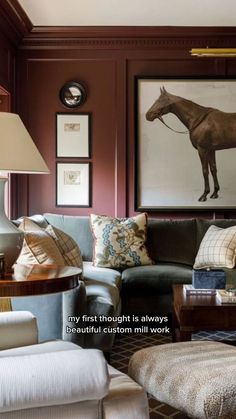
point(68, 247)
point(119, 242)
point(217, 249)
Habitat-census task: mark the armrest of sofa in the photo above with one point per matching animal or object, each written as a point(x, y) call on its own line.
point(54, 378)
point(17, 328)
point(74, 305)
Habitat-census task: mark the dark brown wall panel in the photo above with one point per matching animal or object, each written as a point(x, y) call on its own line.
point(7, 65)
point(106, 61)
point(14, 24)
point(41, 103)
point(4, 64)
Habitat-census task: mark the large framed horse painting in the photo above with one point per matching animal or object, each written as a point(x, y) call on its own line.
point(185, 144)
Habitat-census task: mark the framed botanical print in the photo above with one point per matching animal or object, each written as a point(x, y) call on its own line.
point(73, 184)
point(73, 135)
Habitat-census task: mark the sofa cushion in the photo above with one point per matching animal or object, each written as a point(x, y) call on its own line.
point(172, 240)
point(107, 275)
point(119, 242)
point(217, 249)
point(155, 279)
point(40, 348)
point(52, 378)
point(77, 227)
point(197, 378)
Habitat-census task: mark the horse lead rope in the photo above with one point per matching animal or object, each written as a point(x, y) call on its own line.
point(178, 132)
point(185, 132)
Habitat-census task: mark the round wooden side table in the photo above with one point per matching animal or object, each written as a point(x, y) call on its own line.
point(39, 279)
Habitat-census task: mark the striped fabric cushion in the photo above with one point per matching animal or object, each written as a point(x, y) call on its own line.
point(39, 247)
point(217, 249)
point(68, 247)
point(49, 245)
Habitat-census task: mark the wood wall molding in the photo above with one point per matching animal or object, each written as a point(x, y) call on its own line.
point(14, 22)
point(106, 60)
point(131, 31)
point(128, 37)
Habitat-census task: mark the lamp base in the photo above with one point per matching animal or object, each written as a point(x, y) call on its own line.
point(11, 238)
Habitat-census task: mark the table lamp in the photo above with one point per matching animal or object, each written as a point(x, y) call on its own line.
point(18, 154)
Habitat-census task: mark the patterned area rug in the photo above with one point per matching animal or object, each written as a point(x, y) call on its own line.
point(126, 345)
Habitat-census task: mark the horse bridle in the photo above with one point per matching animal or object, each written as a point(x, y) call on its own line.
point(189, 130)
point(172, 129)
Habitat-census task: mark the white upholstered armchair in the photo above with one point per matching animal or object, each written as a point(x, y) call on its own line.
point(59, 379)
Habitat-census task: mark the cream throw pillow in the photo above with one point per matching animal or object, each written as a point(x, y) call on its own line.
point(120, 242)
point(217, 249)
point(38, 246)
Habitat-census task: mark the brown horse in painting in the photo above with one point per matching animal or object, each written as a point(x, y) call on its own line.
point(209, 130)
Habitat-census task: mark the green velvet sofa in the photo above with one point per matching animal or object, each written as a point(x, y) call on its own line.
point(172, 245)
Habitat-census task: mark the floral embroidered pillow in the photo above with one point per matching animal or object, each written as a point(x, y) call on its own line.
point(119, 242)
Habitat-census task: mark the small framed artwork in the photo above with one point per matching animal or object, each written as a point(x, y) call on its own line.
point(73, 185)
point(73, 135)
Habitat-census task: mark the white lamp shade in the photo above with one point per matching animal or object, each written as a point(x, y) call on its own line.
point(18, 153)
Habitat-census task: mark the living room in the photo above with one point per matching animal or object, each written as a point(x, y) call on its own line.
point(117, 63)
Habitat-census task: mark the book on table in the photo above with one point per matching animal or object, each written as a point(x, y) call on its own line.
point(226, 297)
point(190, 290)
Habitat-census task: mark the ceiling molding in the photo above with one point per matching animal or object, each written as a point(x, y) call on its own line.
point(14, 22)
point(107, 37)
point(131, 31)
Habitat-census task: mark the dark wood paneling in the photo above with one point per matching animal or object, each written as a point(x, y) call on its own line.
point(13, 25)
point(5, 64)
point(106, 61)
point(40, 102)
point(143, 37)
point(14, 22)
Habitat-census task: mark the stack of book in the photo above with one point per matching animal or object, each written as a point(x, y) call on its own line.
point(224, 296)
